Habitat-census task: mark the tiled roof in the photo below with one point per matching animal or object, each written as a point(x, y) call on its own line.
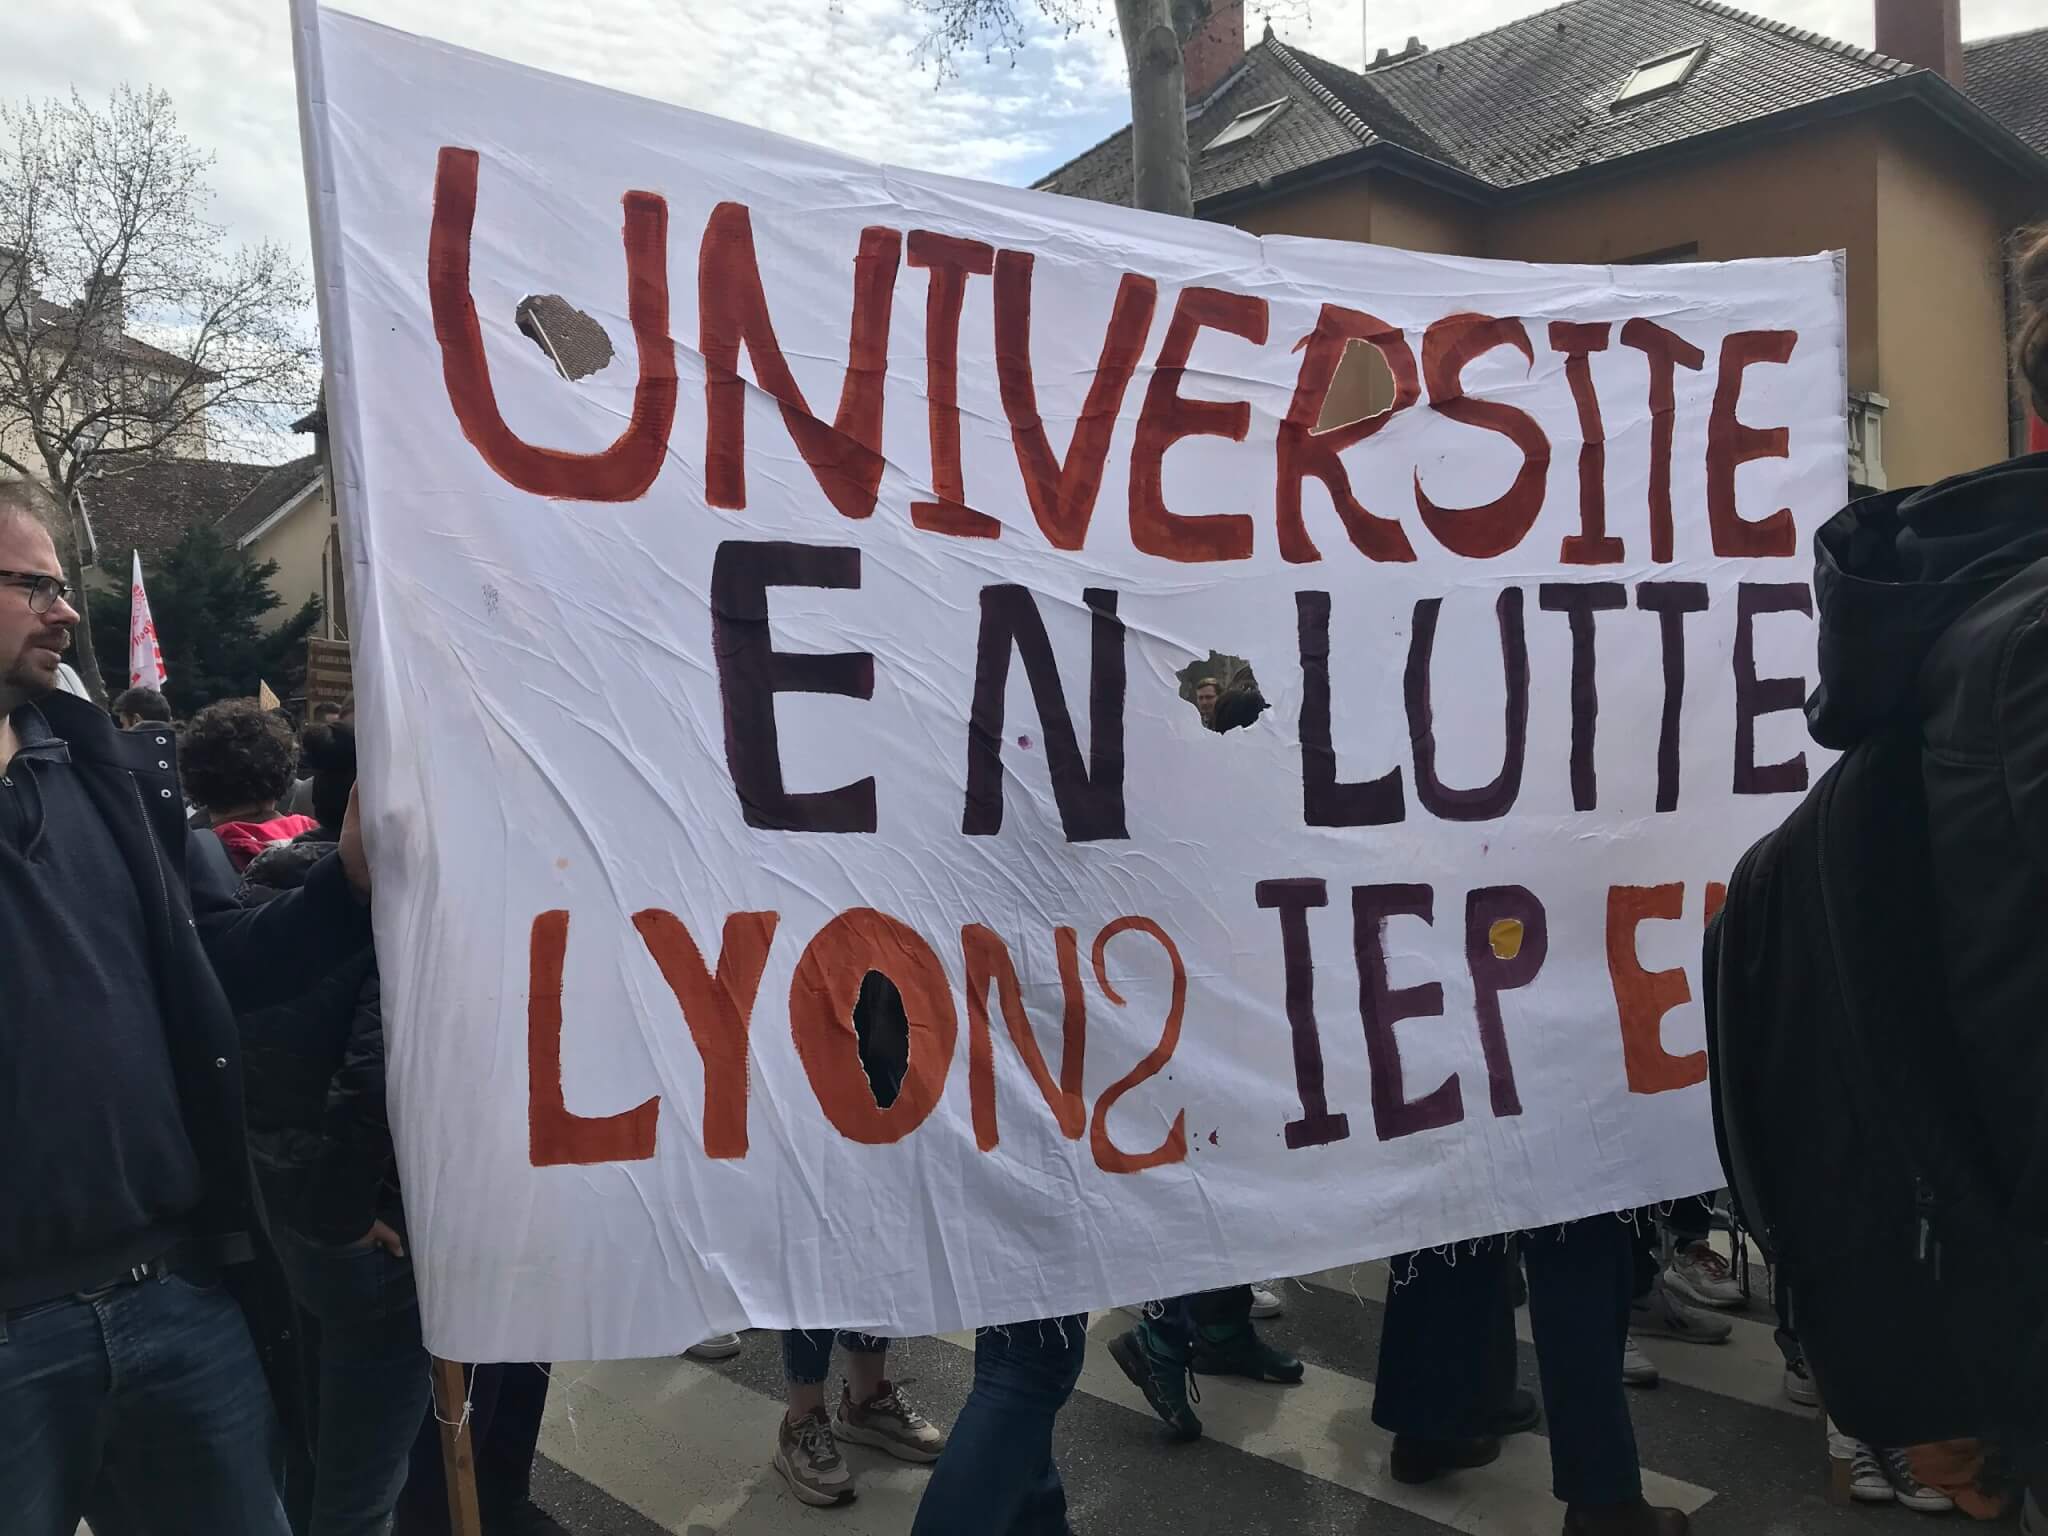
point(279, 486)
point(1312, 128)
point(150, 507)
point(1535, 99)
point(2008, 78)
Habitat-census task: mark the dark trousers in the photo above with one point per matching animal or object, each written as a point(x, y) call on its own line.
point(997, 1476)
point(1447, 1350)
point(136, 1405)
point(372, 1371)
point(1180, 1318)
point(506, 1403)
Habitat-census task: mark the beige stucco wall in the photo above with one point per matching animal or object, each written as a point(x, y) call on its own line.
point(1940, 311)
point(1918, 211)
point(298, 543)
point(1792, 195)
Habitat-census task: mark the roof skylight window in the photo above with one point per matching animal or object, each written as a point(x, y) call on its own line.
point(1245, 124)
point(1660, 76)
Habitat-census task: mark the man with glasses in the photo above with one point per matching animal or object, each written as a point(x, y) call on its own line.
point(131, 1390)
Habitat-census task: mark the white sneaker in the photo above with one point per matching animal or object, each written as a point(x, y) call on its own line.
point(2032, 1521)
point(1637, 1368)
point(1909, 1490)
point(1661, 1315)
point(1701, 1276)
point(1799, 1384)
point(1266, 1300)
point(720, 1346)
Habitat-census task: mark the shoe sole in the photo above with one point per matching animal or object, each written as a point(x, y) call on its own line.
point(1202, 1369)
point(1266, 1314)
point(708, 1356)
point(1805, 1397)
point(1699, 1298)
point(881, 1441)
point(1133, 1364)
point(817, 1498)
point(1939, 1505)
point(1414, 1477)
point(1642, 1379)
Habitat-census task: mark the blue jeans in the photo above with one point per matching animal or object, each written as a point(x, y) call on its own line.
point(997, 1476)
point(133, 1404)
point(373, 1385)
point(807, 1352)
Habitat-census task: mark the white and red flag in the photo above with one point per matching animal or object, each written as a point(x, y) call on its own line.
point(145, 656)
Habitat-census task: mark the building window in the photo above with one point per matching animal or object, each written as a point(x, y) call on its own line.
point(1660, 76)
point(1245, 124)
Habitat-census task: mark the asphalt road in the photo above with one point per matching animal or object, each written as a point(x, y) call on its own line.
point(644, 1447)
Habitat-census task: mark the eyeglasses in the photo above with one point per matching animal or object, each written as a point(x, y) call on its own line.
point(43, 591)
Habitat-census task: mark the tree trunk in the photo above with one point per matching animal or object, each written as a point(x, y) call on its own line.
point(84, 659)
point(1159, 108)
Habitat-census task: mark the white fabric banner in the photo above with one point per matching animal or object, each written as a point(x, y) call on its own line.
point(771, 568)
point(145, 655)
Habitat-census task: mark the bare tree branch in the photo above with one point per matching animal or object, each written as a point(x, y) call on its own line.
point(130, 329)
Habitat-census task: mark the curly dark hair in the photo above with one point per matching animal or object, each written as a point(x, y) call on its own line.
point(236, 753)
point(2030, 345)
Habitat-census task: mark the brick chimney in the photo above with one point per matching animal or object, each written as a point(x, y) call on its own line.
point(1214, 50)
point(1928, 33)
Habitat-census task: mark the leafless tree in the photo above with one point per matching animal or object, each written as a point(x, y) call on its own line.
point(131, 330)
point(1152, 32)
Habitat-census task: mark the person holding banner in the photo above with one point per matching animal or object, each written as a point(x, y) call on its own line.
point(1446, 1378)
point(129, 1377)
point(321, 1145)
point(998, 1477)
point(872, 1411)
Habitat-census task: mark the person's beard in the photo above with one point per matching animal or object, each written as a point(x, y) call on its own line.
point(27, 681)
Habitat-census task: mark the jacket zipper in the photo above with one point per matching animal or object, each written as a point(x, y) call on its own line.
point(156, 858)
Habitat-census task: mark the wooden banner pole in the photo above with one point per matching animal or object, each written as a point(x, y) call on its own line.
point(458, 1458)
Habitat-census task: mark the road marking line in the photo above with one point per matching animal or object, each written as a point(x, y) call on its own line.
point(689, 1448)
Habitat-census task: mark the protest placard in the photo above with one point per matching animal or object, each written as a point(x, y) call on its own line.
point(770, 569)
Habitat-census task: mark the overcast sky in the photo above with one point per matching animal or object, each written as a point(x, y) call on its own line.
point(841, 72)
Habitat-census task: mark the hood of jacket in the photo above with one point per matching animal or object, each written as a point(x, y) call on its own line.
point(1893, 572)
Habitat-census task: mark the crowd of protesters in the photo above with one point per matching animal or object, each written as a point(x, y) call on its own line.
point(207, 1310)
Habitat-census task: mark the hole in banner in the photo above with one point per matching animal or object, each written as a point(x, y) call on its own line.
point(576, 344)
point(1362, 389)
point(883, 1030)
point(1223, 691)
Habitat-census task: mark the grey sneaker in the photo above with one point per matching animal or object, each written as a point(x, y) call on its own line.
point(889, 1423)
point(1911, 1492)
point(2032, 1521)
point(1661, 1315)
point(1266, 1301)
point(808, 1456)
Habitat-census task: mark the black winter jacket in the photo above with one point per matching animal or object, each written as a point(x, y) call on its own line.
point(1932, 606)
point(212, 955)
point(313, 1080)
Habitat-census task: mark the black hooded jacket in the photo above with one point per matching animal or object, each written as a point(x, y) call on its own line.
point(313, 1073)
point(1931, 608)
